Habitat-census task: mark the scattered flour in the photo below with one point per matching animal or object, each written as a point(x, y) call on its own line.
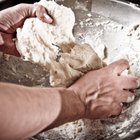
point(80, 5)
point(132, 51)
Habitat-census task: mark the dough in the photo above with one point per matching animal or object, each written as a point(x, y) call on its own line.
point(38, 41)
point(54, 46)
point(81, 59)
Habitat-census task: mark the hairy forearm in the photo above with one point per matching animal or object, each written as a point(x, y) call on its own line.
point(26, 111)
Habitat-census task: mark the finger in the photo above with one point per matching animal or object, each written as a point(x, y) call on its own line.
point(9, 45)
point(116, 109)
point(128, 82)
point(96, 109)
point(105, 111)
point(47, 18)
point(42, 14)
point(11, 49)
point(125, 97)
point(119, 66)
point(111, 110)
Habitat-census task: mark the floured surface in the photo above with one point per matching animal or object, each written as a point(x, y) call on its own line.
point(114, 43)
point(102, 31)
point(132, 52)
point(128, 122)
point(120, 46)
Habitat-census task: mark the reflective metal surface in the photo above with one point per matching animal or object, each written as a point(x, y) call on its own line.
point(14, 70)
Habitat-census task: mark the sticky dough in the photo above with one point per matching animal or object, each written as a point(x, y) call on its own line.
point(54, 46)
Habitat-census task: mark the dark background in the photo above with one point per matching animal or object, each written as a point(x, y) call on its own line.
point(135, 1)
point(7, 3)
point(31, 1)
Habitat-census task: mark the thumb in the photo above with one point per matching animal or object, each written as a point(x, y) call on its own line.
point(119, 66)
point(9, 46)
point(40, 12)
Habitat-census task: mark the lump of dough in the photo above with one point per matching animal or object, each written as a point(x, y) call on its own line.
point(83, 58)
point(38, 41)
point(54, 46)
point(71, 66)
point(62, 74)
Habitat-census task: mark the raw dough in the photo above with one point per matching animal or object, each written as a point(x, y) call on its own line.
point(71, 66)
point(38, 41)
point(54, 46)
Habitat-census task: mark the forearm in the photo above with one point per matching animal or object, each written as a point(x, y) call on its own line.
point(26, 111)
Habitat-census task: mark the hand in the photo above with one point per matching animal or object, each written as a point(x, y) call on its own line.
point(103, 91)
point(14, 17)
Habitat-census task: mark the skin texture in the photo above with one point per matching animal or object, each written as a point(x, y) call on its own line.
point(102, 91)
point(26, 111)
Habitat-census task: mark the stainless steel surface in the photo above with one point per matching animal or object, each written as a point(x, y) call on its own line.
point(14, 70)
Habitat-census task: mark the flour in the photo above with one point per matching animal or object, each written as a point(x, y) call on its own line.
point(80, 5)
point(132, 51)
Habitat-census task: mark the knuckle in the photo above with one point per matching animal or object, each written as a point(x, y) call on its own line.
point(41, 17)
point(124, 61)
point(122, 64)
point(117, 84)
point(117, 109)
point(39, 8)
point(135, 82)
point(110, 99)
point(20, 6)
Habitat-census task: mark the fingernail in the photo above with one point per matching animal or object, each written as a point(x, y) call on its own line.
point(121, 104)
point(49, 19)
point(138, 82)
point(130, 99)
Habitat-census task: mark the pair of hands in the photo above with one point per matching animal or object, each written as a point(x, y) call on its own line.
point(100, 92)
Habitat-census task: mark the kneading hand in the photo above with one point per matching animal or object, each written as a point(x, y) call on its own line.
point(102, 92)
point(14, 17)
point(98, 94)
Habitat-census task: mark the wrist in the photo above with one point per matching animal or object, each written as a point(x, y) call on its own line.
point(74, 102)
point(72, 108)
